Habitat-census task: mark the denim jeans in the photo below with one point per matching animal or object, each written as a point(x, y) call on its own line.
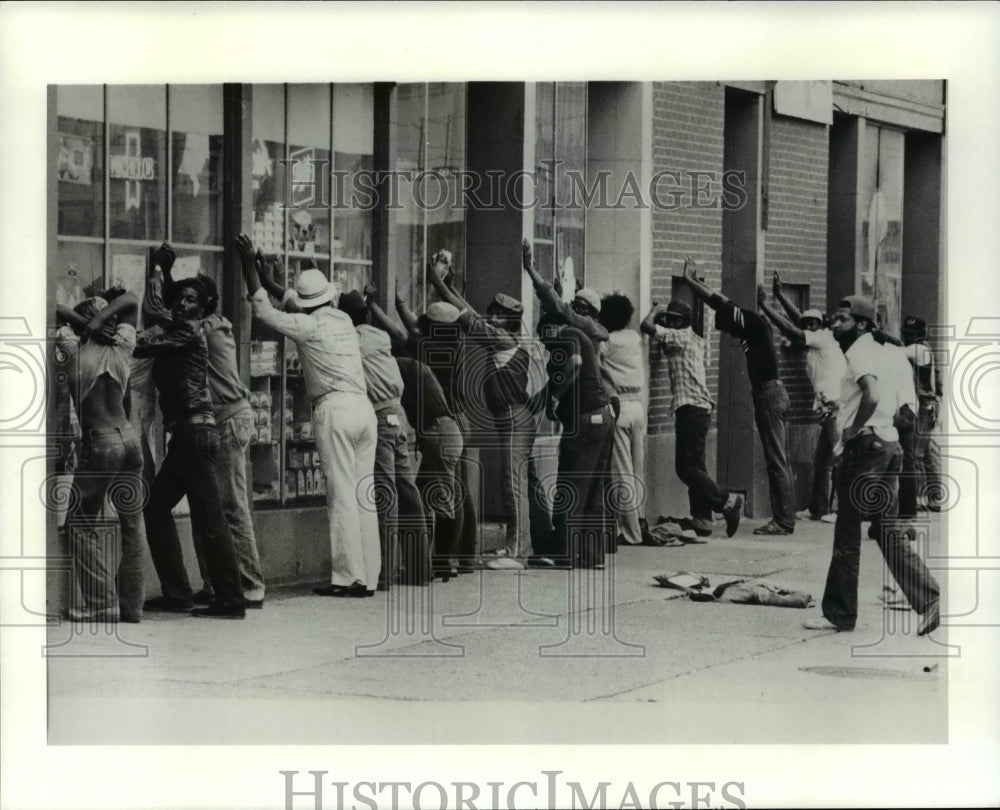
point(515, 427)
point(345, 429)
point(189, 469)
point(581, 512)
point(441, 487)
point(691, 427)
point(397, 496)
point(867, 490)
point(110, 460)
point(234, 487)
point(770, 407)
point(819, 499)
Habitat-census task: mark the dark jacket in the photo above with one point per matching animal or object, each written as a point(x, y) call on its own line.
point(180, 370)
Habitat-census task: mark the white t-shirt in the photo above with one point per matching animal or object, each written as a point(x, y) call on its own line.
point(825, 364)
point(867, 358)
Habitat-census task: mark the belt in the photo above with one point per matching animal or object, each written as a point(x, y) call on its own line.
point(629, 389)
point(317, 400)
point(106, 431)
point(192, 420)
point(391, 402)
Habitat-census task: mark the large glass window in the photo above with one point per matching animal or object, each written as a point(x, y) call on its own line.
point(881, 195)
point(428, 142)
point(80, 112)
point(137, 161)
point(353, 153)
point(560, 147)
point(196, 157)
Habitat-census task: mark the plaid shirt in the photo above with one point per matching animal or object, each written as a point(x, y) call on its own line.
point(685, 355)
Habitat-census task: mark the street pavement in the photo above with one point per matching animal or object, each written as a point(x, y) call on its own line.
point(519, 656)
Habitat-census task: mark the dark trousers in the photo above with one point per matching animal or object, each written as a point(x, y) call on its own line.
point(770, 407)
point(443, 489)
point(819, 498)
point(396, 496)
point(110, 460)
point(691, 428)
point(867, 490)
point(580, 510)
point(921, 461)
point(189, 469)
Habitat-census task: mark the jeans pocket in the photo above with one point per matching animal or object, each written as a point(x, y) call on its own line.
point(206, 443)
point(242, 427)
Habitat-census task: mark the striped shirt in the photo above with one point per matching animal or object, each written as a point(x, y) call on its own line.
point(756, 338)
point(685, 355)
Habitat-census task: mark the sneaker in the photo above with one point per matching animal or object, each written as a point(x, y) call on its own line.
point(772, 528)
point(931, 619)
point(108, 615)
point(504, 563)
point(830, 517)
point(548, 563)
point(701, 527)
point(732, 513)
point(165, 604)
point(220, 610)
point(821, 623)
point(203, 597)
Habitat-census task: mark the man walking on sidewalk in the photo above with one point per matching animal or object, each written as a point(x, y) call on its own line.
point(684, 352)
point(871, 461)
point(770, 400)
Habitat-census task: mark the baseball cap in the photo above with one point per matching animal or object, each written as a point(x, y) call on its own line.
point(312, 289)
point(590, 297)
point(860, 307)
point(681, 309)
point(507, 304)
point(812, 313)
point(442, 312)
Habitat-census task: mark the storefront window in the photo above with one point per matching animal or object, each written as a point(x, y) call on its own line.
point(309, 162)
point(429, 143)
point(571, 155)
point(196, 144)
point(79, 272)
point(353, 145)
point(137, 161)
point(81, 160)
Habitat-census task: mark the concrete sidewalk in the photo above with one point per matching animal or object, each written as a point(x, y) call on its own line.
point(519, 656)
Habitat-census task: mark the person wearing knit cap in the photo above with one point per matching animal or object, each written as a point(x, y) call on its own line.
point(684, 352)
point(506, 359)
point(233, 421)
point(870, 461)
point(344, 422)
point(396, 491)
point(581, 312)
point(824, 368)
point(923, 487)
point(770, 400)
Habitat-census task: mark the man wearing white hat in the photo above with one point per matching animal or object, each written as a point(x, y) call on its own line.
point(825, 366)
point(344, 422)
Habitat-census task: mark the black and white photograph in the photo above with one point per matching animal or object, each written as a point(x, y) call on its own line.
point(511, 405)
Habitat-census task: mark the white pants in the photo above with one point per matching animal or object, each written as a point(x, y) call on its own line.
point(628, 463)
point(346, 432)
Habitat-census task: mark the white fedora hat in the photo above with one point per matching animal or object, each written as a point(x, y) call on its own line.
point(312, 289)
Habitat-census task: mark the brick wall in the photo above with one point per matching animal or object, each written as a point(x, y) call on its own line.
point(795, 241)
point(687, 137)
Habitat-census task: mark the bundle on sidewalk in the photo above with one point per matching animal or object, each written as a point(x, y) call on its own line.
point(739, 591)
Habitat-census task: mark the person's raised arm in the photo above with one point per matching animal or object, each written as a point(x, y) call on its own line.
point(705, 293)
point(125, 307)
point(248, 266)
point(406, 314)
point(397, 334)
point(436, 268)
point(65, 314)
point(268, 269)
point(162, 259)
point(781, 298)
point(786, 327)
point(648, 325)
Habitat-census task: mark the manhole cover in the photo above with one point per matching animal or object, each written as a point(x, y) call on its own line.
point(869, 672)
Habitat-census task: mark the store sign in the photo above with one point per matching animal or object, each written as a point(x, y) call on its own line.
point(76, 159)
point(132, 167)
